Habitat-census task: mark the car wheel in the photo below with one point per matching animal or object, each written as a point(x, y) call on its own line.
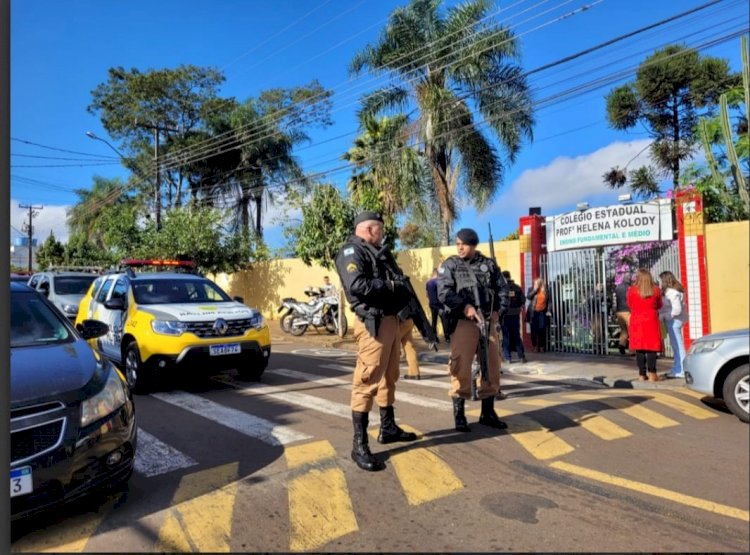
point(134, 371)
point(295, 328)
point(737, 392)
point(253, 369)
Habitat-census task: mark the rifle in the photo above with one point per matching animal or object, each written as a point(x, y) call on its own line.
point(481, 367)
point(416, 313)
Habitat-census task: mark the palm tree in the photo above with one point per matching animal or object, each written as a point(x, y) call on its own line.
point(388, 177)
point(450, 66)
point(85, 217)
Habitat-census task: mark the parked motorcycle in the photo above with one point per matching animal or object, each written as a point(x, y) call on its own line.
point(287, 307)
point(320, 312)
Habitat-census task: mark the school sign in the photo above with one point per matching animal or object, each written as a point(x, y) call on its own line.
point(611, 225)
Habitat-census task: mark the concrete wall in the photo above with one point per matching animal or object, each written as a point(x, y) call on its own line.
point(264, 285)
point(728, 265)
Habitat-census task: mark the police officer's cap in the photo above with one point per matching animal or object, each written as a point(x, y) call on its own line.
point(468, 236)
point(367, 216)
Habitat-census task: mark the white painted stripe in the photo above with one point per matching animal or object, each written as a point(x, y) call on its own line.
point(291, 397)
point(154, 457)
point(242, 422)
point(401, 396)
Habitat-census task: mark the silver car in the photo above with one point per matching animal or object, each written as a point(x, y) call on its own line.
point(64, 287)
point(718, 365)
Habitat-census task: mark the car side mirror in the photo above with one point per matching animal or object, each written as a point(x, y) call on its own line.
point(91, 329)
point(44, 289)
point(239, 299)
point(115, 304)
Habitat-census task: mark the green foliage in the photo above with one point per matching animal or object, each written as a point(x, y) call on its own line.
point(419, 235)
point(671, 87)
point(79, 251)
point(721, 203)
point(327, 222)
point(512, 236)
point(50, 253)
point(195, 233)
point(453, 63)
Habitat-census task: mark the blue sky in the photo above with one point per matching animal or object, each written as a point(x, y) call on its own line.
point(60, 51)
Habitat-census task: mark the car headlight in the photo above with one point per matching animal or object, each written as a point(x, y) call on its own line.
point(257, 321)
point(704, 346)
point(107, 401)
point(71, 309)
point(168, 327)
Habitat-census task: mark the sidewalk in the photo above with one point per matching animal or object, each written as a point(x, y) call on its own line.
point(612, 371)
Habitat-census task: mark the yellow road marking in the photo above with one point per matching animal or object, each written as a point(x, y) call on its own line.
point(320, 509)
point(656, 491)
point(70, 536)
point(686, 408)
point(423, 475)
point(589, 421)
point(691, 393)
point(634, 410)
point(535, 438)
point(200, 521)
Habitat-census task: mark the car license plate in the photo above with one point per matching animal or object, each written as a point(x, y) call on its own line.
point(227, 349)
point(20, 481)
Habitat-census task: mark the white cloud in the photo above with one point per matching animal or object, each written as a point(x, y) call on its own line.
point(50, 218)
point(566, 181)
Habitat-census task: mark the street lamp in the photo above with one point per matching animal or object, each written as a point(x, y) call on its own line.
point(91, 135)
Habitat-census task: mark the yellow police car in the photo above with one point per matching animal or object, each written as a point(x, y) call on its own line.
point(166, 320)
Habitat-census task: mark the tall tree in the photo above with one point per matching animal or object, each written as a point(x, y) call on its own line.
point(50, 252)
point(388, 177)
point(672, 88)
point(448, 66)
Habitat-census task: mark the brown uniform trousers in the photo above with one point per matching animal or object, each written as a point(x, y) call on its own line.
point(464, 342)
point(406, 334)
point(377, 369)
point(623, 319)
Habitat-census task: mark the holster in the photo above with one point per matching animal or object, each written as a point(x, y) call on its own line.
point(371, 317)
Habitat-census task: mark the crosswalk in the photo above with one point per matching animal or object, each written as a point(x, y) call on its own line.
point(314, 472)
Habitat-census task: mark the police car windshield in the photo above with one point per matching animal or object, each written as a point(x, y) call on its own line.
point(167, 291)
point(73, 285)
point(32, 322)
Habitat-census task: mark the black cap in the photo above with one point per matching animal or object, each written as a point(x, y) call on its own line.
point(367, 216)
point(468, 236)
point(506, 274)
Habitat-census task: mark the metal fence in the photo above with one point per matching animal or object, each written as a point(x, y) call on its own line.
point(582, 289)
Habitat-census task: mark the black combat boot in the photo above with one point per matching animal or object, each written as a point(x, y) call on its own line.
point(389, 431)
point(360, 449)
point(458, 414)
point(488, 416)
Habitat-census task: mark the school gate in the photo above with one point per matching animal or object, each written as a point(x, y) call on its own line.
point(583, 255)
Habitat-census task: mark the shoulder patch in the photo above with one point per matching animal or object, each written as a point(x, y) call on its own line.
point(441, 270)
point(348, 251)
point(351, 267)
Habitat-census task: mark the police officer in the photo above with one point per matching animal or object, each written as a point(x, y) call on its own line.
point(473, 290)
point(373, 284)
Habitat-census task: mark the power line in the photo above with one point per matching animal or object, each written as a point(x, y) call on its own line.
point(557, 97)
point(59, 149)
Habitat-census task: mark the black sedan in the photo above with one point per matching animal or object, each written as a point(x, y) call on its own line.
point(72, 418)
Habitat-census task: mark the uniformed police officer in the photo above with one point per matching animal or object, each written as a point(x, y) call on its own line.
point(473, 290)
point(373, 284)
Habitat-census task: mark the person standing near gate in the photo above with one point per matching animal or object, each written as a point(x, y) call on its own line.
point(432, 298)
point(622, 312)
point(511, 322)
point(644, 300)
point(374, 287)
point(473, 291)
point(674, 315)
point(536, 314)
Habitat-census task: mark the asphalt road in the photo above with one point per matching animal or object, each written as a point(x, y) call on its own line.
point(226, 465)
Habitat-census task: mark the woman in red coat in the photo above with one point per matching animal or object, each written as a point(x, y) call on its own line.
point(644, 300)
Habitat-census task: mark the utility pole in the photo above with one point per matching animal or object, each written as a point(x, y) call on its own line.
point(157, 185)
point(29, 228)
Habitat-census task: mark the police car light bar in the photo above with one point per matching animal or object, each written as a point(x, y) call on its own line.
point(137, 262)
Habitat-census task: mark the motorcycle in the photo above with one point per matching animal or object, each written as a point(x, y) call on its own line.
point(320, 312)
point(287, 307)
